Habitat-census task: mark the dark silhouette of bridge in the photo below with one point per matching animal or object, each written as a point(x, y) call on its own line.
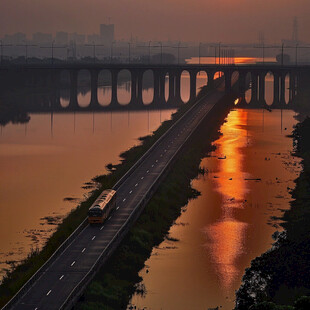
point(252, 76)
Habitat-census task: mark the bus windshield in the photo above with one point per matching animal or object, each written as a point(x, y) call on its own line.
point(95, 212)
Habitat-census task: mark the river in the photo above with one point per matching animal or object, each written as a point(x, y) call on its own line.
point(220, 232)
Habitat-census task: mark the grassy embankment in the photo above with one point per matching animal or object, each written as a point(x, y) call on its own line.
point(281, 276)
point(114, 285)
point(15, 279)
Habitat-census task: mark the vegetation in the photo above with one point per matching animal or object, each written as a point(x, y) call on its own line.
point(282, 275)
point(16, 278)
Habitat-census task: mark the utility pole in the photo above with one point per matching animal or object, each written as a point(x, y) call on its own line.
point(2, 46)
point(52, 48)
point(129, 46)
point(94, 45)
point(26, 45)
point(282, 53)
point(111, 58)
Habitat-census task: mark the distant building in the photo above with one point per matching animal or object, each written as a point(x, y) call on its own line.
point(78, 39)
point(42, 38)
point(61, 38)
point(107, 33)
point(16, 38)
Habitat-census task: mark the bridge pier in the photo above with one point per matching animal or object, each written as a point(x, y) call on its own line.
point(114, 76)
point(227, 76)
point(94, 88)
point(242, 87)
point(156, 96)
point(162, 86)
point(276, 91)
point(73, 103)
point(134, 82)
point(282, 89)
point(254, 93)
point(261, 95)
point(177, 96)
point(193, 85)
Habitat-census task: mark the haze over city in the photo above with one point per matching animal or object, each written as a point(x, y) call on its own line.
point(197, 20)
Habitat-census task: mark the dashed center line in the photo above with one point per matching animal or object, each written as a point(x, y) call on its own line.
point(157, 160)
point(109, 218)
point(83, 250)
point(152, 166)
point(101, 227)
point(48, 292)
point(142, 178)
point(148, 171)
point(117, 208)
point(136, 184)
point(124, 199)
point(93, 238)
point(72, 263)
point(130, 192)
point(61, 277)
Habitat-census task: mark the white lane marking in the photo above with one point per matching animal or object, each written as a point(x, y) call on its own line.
point(83, 250)
point(148, 171)
point(161, 155)
point(142, 178)
point(35, 308)
point(165, 151)
point(152, 166)
point(93, 238)
point(61, 277)
point(109, 218)
point(157, 160)
point(101, 227)
point(117, 208)
point(72, 263)
point(136, 184)
point(124, 199)
point(48, 292)
point(130, 192)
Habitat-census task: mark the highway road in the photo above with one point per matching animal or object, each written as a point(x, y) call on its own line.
point(54, 286)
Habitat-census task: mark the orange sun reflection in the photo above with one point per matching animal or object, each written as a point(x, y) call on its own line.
point(225, 237)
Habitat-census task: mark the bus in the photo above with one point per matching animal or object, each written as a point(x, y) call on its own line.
point(102, 207)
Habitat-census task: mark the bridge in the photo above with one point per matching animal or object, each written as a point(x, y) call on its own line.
point(41, 75)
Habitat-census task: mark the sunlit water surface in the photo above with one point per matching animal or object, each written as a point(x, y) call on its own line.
point(49, 159)
point(221, 231)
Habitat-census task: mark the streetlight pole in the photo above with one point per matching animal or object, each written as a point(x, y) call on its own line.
point(94, 45)
point(282, 53)
point(2, 46)
point(26, 45)
point(129, 46)
point(150, 51)
point(111, 58)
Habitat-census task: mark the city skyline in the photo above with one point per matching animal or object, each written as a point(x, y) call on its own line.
point(224, 20)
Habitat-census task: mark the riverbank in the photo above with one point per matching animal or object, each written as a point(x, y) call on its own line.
point(281, 276)
point(114, 285)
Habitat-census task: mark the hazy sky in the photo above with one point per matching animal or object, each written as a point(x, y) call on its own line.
point(191, 20)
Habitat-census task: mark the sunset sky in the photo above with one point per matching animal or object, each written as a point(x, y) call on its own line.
point(195, 20)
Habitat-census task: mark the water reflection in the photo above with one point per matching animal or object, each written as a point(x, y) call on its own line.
point(48, 160)
point(227, 234)
point(230, 223)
